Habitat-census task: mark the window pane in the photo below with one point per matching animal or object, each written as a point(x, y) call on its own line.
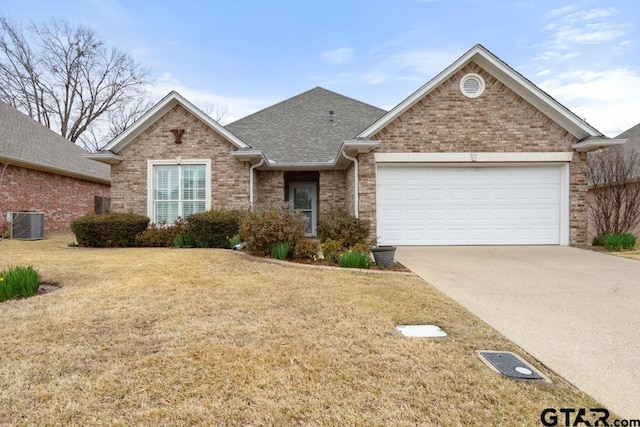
point(166, 212)
point(178, 191)
point(306, 221)
point(302, 198)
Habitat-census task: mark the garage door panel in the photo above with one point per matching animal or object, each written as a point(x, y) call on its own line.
point(472, 206)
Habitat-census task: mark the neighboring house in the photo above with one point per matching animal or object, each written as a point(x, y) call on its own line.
point(478, 155)
point(632, 146)
point(44, 172)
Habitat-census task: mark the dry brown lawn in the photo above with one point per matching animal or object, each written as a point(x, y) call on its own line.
point(206, 337)
point(630, 255)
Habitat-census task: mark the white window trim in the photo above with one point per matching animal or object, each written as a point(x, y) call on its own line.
point(177, 162)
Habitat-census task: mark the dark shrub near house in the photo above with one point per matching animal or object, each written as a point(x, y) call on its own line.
point(213, 229)
point(158, 236)
point(264, 228)
point(110, 230)
point(338, 225)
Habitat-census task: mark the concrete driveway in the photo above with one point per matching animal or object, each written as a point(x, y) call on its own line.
point(576, 311)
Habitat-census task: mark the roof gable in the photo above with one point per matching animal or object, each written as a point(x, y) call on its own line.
point(160, 109)
point(507, 76)
point(27, 143)
point(307, 128)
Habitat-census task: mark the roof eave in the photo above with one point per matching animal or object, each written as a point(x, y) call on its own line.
point(251, 156)
point(358, 146)
point(54, 170)
point(105, 157)
point(592, 144)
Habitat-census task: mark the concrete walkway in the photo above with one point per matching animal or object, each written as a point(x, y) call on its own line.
point(576, 311)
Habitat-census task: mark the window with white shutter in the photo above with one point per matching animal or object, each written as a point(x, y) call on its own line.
point(178, 190)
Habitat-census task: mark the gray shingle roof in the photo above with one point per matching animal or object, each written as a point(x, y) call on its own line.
point(27, 143)
point(299, 129)
point(632, 145)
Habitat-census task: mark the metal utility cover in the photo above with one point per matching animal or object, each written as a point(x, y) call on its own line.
point(510, 365)
point(421, 331)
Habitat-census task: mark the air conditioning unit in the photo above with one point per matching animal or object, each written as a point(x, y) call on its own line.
point(27, 225)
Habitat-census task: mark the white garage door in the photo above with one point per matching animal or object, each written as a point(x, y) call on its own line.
point(469, 205)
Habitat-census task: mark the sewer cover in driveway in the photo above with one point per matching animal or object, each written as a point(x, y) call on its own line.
point(510, 365)
point(421, 331)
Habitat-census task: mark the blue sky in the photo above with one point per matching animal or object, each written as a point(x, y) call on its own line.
point(247, 55)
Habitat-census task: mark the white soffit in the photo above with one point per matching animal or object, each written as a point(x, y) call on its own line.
point(472, 157)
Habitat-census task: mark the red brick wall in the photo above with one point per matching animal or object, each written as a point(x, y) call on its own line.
point(497, 121)
point(61, 198)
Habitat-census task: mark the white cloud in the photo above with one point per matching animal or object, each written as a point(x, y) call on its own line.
point(339, 56)
point(607, 99)
point(570, 29)
point(237, 107)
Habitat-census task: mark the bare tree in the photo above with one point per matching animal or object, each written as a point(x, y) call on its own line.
point(214, 109)
point(64, 76)
point(113, 123)
point(614, 201)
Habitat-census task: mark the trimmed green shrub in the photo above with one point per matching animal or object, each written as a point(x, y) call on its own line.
point(306, 248)
point(280, 250)
point(342, 226)
point(19, 281)
point(619, 241)
point(109, 230)
point(354, 259)
point(262, 228)
point(212, 229)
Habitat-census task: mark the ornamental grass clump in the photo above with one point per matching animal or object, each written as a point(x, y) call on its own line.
point(280, 250)
point(19, 281)
point(354, 259)
point(619, 241)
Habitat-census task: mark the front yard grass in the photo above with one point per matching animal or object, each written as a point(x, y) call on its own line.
point(203, 336)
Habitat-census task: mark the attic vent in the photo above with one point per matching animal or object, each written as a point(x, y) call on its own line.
point(472, 85)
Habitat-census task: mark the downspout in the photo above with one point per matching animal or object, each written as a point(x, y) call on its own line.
point(251, 182)
point(356, 185)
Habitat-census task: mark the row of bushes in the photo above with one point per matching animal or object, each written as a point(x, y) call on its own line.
point(276, 231)
point(18, 281)
point(210, 229)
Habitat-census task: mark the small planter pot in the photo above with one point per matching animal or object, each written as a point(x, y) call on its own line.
point(384, 255)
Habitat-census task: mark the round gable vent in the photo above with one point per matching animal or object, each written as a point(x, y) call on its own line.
point(472, 85)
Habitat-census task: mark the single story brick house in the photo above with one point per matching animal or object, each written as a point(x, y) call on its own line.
point(478, 155)
point(44, 172)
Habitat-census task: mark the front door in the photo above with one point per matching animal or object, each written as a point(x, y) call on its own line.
point(303, 198)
